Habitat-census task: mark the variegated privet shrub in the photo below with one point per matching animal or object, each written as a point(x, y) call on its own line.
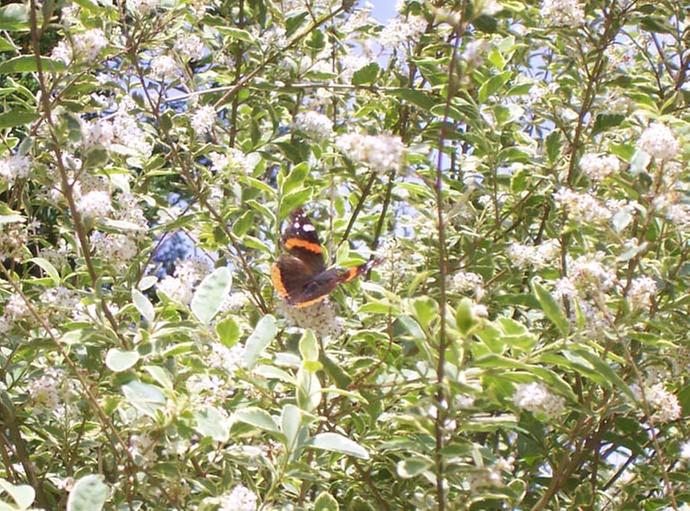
point(519, 167)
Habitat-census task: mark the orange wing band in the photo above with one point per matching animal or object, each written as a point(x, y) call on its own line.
point(298, 243)
point(278, 281)
point(351, 274)
point(310, 302)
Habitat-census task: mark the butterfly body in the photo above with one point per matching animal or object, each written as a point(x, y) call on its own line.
point(300, 276)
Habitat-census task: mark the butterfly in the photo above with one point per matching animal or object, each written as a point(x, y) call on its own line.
point(300, 276)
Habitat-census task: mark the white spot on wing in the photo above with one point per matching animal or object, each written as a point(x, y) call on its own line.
point(296, 225)
point(308, 228)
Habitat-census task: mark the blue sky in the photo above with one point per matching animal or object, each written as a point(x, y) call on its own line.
point(383, 9)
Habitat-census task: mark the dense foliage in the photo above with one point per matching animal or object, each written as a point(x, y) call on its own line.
point(519, 168)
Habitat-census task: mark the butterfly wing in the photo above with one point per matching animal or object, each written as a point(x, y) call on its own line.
point(301, 240)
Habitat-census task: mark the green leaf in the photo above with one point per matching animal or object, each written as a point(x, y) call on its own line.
point(296, 177)
point(89, 494)
point(236, 33)
point(326, 502)
point(17, 118)
point(605, 370)
point(605, 121)
point(148, 399)
point(47, 267)
point(262, 336)
point(120, 360)
point(308, 389)
point(256, 417)
point(228, 331)
point(210, 294)
point(553, 145)
point(143, 305)
point(14, 17)
point(551, 309)
point(290, 423)
point(309, 347)
point(366, 75)
point(339, 443)
point(27, 64)
point(418, 98)
point(465, 319)
point(425, 311)
point(334, 371)
point(292, 201)
point(412, 467)
point(211, 423)
point(640, 161)
point(22, 494)
point(493, 85)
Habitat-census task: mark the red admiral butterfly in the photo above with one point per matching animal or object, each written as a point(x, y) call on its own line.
point(300, 276)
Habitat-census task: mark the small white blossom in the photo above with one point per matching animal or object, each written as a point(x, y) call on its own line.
point(115, 248)
point(13, 239)
point(142, 6)
point(164, 67)
point(16, 307)
point(563, 12)
point(176, 289)
point(95, 204)
point(401, 30)
point(240, 498)
point(203, 119)
point(321, 318)
point(537, 398)
point(190, 46)
point(226, 359)
point(465, 281)
point(98, 132)
point(314, 124)
point(659, 142)
point(664, 404)
point(642, 289)
point(583, 207)
point(14, 167)
point(380, 152)
point(599, 167)
point(88, 45)
point(538, 257)
point(589, 274)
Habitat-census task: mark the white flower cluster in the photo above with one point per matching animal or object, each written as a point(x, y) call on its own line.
point(664, 403)
point(59, 300)
point(401, 30)
point(142, 6)
point(380, 152)
point(203, 119)
point(659, 142)
point(95, 204)
point(51, 392)
point(180, 287)
point(583, 207)
point(164, 67)
point(567, 13)
point(321, 318)
point(15, 309)
point(598, 167)
point(539, 256)
point(97, 132)
point(537, 398)
point(14, 167)
point(190, 47)
point(351, 63)
point(226, 359)
point(233, 160)
point(589, 274)
point(115, 248)
point(86, 46)
point(466, 281)
point(13, 239)
point(314, 124)
point(240, 498)
point(233, 302)
point(641, 291)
